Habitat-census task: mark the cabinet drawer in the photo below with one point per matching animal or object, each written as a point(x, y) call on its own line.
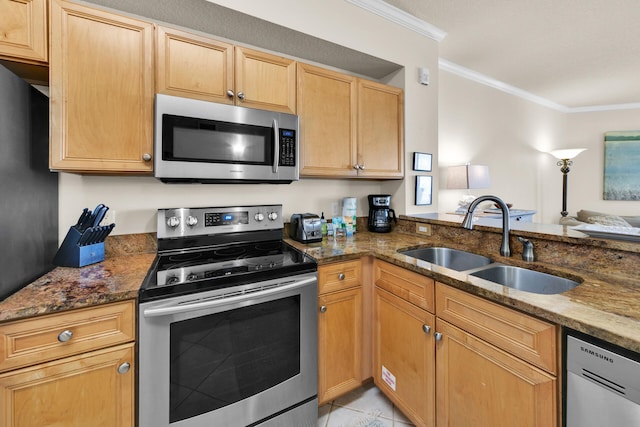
point(342, 275)
point(40, 339)
point(412, 287)
point(523, 336)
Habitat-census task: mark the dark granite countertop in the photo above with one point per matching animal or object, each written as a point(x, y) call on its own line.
point(605, 305)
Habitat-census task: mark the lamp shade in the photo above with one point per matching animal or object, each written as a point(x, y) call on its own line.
point(567, 153)
point(468, 176)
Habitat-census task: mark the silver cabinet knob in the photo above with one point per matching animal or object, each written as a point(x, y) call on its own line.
point(426, 329)
point(341, 276)
point(65, 336)
point(361, 167)
point(323, 309)
point(124, 368)
point(356, 166)
point(230, 93)
point(437, 336)
point(146, 157)
point(241, 96)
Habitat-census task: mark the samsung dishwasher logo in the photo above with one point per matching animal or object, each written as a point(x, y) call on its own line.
point(600, 356)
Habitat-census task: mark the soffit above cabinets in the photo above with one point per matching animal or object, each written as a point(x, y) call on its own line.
point(222, 22)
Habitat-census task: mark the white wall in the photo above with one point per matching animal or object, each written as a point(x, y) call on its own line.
point(482, 125)
point(135, 199)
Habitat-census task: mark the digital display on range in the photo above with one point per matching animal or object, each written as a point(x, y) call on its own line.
point(288, 133)
point(214, 219)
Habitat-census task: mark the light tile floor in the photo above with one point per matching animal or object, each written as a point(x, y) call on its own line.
point(354, 408)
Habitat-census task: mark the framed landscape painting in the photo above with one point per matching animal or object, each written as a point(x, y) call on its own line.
point(622, 165)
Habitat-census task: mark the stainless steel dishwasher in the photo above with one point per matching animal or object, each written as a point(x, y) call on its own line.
point(602, 384)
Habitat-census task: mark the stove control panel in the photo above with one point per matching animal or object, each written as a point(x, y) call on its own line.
point(185, 222)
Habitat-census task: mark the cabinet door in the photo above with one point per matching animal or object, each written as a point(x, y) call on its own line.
point(380, 130)
point(265, 81)
point(85, 390)
point(328, 111)
point(403, 358)
point(23, 30)
point(481, 385)
point(339, 343)
point(194, 67)
point(101, 74)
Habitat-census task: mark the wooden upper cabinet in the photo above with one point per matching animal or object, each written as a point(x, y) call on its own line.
point(380, 130)
point(327, 108)
point(198, 67)
point(349, 127)
point(23, 30)
point(265, 81)
point(193, 66)
point(102, 89)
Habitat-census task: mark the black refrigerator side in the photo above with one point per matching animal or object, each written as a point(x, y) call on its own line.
point(28, 190)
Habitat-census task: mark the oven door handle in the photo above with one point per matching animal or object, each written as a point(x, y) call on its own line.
point(177, 308)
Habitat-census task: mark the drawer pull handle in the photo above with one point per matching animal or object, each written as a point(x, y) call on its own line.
point(65, 336)
point(323, 309)
point(437, 336)
point(124, 368)
point(426, 329)
point(341, 276)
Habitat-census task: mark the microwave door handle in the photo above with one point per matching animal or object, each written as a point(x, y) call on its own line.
point(177, 308)
point(276, 145)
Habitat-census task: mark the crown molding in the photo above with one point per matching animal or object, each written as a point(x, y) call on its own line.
point(400, 17)
point(466, 73)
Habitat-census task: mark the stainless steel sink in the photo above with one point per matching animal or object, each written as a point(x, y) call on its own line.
point(449, 258)
point(525, 280)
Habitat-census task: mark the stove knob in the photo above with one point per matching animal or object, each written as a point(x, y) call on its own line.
point(191, 221)
point(273, 216)
point(259, 216)
point(173, 222)
point(171, 280)
point(191, 277)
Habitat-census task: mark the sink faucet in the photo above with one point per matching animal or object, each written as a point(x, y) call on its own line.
point(467, 222)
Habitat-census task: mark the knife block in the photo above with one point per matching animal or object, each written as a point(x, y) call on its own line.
point(70, 254)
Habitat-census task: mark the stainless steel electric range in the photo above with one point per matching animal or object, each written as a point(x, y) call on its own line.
point(227, 323)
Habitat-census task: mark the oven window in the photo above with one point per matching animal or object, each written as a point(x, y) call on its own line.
point(189, 139)
point(223, 358)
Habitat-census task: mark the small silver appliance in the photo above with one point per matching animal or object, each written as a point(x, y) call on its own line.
point(306, 228)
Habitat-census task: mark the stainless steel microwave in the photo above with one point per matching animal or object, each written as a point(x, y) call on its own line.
point(207, 142)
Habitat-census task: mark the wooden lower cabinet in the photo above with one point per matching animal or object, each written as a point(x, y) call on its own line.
point(93, 389)
point(70, 369)
point(480, 385)
point(340, 343)
point(340, 331)
point(404, 356)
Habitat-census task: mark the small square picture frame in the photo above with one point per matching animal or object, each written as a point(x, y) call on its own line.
point(422, 162)
point(424, 186)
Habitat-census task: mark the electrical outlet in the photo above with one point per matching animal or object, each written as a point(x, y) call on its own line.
point(109, 218)
point(424, 229)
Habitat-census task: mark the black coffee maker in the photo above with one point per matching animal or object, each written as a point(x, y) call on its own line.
point(380, 214)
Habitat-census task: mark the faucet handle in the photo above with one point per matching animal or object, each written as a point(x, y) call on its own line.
point(527, 249)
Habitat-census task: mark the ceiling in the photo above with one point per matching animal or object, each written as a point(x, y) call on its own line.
point(574, 53)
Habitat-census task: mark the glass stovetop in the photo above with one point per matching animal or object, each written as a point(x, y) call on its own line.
point(183, 272)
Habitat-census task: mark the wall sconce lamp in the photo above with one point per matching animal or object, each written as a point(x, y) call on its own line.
point(467, 177)
point(564, 161)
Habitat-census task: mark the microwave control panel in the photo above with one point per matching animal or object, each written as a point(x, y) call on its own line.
point(287, 147)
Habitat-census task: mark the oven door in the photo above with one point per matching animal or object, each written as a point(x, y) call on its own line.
point(230, 357)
